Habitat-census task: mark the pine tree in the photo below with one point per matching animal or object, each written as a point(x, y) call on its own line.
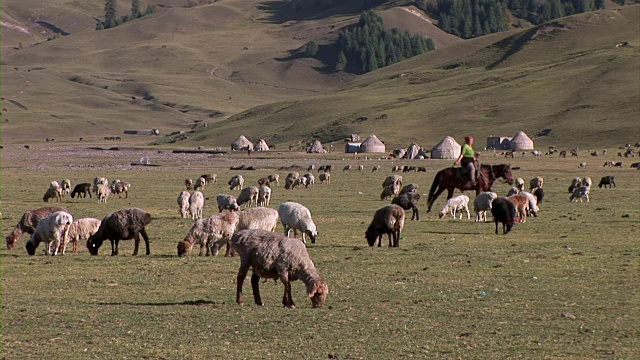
point(372, 62)
point(135, 9)
point(311, 49)
point(600, 4)
point(342, 62)
point(150, 10)
point(431, 45)
point(110, 13)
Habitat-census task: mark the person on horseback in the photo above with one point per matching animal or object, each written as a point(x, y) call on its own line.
point(467, 159)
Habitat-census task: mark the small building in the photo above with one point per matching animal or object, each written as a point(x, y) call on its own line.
point(372, 145)
point(242, 144)
point(352, 147)
point(261, 145)
point(521, 142)
point(448, 148)
point(316, 147)
point(499, 143)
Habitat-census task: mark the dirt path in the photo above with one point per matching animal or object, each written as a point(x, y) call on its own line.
point(418, 14)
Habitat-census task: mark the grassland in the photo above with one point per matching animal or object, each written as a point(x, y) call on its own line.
point(452, 290)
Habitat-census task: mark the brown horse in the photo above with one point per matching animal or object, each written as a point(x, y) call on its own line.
point(449, 180)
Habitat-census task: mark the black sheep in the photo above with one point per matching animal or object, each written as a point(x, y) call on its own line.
point(81, 189)
point(504, 211)
point(607, 180)
point(388, 220)
point(539, 194)
point(408, 201)
point(121, 225)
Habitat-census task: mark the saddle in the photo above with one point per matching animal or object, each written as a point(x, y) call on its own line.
point(462, 173)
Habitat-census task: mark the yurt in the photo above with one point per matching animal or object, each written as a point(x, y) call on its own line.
point(412, 151)
point(261, 146)
point(448, 148)
point(399, 153)
point(242, 144)
point(316, 147)
point(372, 145)
point(521, 142)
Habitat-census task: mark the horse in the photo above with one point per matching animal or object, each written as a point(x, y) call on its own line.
point(447, 179)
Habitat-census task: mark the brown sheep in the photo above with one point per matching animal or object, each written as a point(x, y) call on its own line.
point(388, 220)
point(29, 222)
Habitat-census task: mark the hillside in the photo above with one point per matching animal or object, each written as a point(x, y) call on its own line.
point(567, 75)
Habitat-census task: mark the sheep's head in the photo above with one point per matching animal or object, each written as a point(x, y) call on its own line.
point(441, 214)
point(312, 234)
point(11, 240)
point(31, 248)
point(318, 291)
point(184, 247)
point(93, 244)
point(371, 236)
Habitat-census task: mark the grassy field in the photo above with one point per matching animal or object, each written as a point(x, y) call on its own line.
point(452, 290)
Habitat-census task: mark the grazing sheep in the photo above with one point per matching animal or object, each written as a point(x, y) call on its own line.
point(227, 202)
point(325, 177)
point(395, 168)
point(408, 201)
point(503, 211)
point(273, 256)
point(422, 169)
point(53, 230)
point(118, 187)
point(618, 164)
point(296, 217)
point(82, 229)
point(293, 175)
point(575, 183)
point(210, 234)
point(376, 168)
point(263, 182)
point(533, 208)
point(535, 183)
point(248, 195)
point(360, 167)
point(66, 186)
point(210, 178)
point(200, 184)
point(83, 189)
point(311, 180)
point(311, 167)
point(387, 220)
point(411, 188)
point(582, 164)
point(520, 184)
point(607, 180)
point(389, 191)
point(346, 168)
point(183, 204)
point(521, 203)
point(102, 191)
point(121, 225)
point(54, 184)
point(258, 218)
point(264, 196)
point(539, 194)
point(196, 203)
point(236, 182)
point(482, 204)
point(456, 203)
point(29, 222)
point(97, 181)
point(328, 168)
point(288, 182)
point(393, 179)
point(54, 193)
point(274, 178)
point(189, 184)
point(513, 191)
point(586, 181)
point(608, 163)
point(301, 181)
point(580, 193)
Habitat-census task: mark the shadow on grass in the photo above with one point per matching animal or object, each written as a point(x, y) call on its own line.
point(188, 303)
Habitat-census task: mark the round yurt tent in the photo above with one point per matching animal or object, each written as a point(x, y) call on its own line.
point(448, 148)
point(412, 151)
point(261, 145)
point(242, 144)
point(316, 147)
point(372, 145)
point(521, 142)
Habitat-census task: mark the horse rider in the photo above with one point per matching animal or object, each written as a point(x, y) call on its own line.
point(467, 159)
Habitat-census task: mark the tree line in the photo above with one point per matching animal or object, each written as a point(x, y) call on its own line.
point(111, 18)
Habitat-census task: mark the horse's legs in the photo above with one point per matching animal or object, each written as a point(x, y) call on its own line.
point(435, 196)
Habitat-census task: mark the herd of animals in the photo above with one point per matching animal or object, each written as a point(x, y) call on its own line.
point(250, 232)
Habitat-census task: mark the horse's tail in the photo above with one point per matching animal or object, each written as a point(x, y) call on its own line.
point(434, 187)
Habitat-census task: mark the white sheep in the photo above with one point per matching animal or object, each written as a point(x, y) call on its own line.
point(580, 193)
point(586, 181)
point(66, 186)
point(102, 191)
point(393, 179)
point(53, 230)
point(82, 229)
point(183, 204)
point(264, 196)
point(236, 182)
point(227, 202)
point(196, 203)
point(210, 234)
point(275, 178)
point(97, 181)
point(482, 204)
point(301, 181)
point(325, 177)
point(295, 216)
point(258, 218)
point(54, 184)
point(200, 184)
point(248, 195)
point(535, 183)
point(533, 203)
point(582, 165)
point(520, 184)
point(457, 203)
point(53, 192)
point(311, 180)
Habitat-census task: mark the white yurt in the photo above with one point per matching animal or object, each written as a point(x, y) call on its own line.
point(448, 148)
point(242, 144)
point(521, 142)
point(372, 145)
point(261, 145)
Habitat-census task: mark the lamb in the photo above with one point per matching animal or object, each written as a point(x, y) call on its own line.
point(503, 211)
point(296, 217)
point(387, 220)
point(325, 177)
point(586, 181)
point(408, 201)
point(183, 204)
point(274, 178)
point(29, 222)
point(196, 203)
point(482, 204)
point(521, 203)
point(360, 167)
point(102, 191)
point(53, 230)
point(575, 183)
point(456, 203)
point(54, 193)
point(513, 191)
point(263, 182)
point(264, 196)
point(121, 225)
point(607, 180)
point(288, 183)
point(582, 164)
point(200, 184)
point(539, 194)
point(236, 182)
point(533, 204)
point(66, 186)
point(273, 256)
point(411, 188)
point(208, 232)
point(347, 168)
point(618, 164)
point(580, 193)
point(376, 168)
point(301, 181)
point(520, 184)
point(393, 179)
point(389, 191)
point(97, 181)
point(210, 178)
point(83, 189)
point(118, 187)
point(311, 180)
point(248, 194)
point(535, 183)
point(188, 183)
point(608, 163)
point(227, 202)
point(82, 229)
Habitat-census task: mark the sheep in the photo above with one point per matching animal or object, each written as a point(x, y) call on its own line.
point(311, 180)
point(520, 184)
point(535, 183)
point(296, 217)
point(210, 178)
point(293, 175)
point(248, 195)
point(521, 203)
point(389, 191)
point(376, 168)
point(273, 256)
point(258, 218)
point(301, 181)
point(227, 202)
point(236, 182)
point(575, 183)
point(66, 186)
point(395, 168)
point(288, 183)
point(513, 191)
point(264, 196)
point(422, 169)
point(311, 167)
point(328, 168)
point(325, 177)
point(209, 233)
point(482, 204)
point(97, 181)
point(102, 191)
point(118, 187)
point(82, 229)
point(83, 189)
point(411, 188)
point(533, 208)
point(582, 164)
point(54, 193)
point(393, 179)
point(263, 182)
point(387, 220)
point(53, 230)
point(456, 203)
point(29, 222)
point(121, 225)
point(200, 184)
point(196, 203)
point(607, 180)
point(360, 167)
point(503, 211)
point(539, 194)
point(408, 201)
point(579, 193)
point(183, 204)
point(608, 163)
point(188, 183)
point(347, 168)
point(586, 181)
point(54, 184)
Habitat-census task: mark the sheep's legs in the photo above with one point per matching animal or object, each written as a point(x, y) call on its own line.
point(242, 273)
point(143, 232)
point(287, 300)
point(496, 227)
point(114, 247)
point(255, 285)
point(380, 240)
